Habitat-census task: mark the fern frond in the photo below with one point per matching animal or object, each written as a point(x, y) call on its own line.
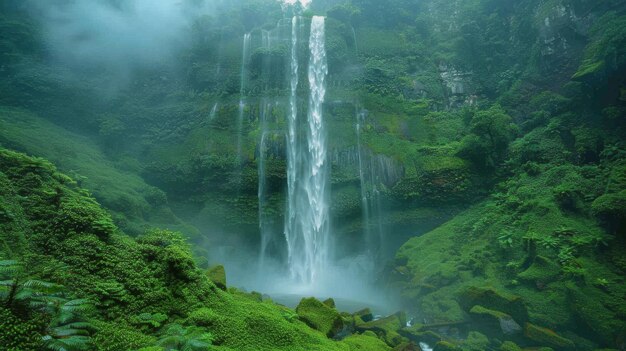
point(7, 283)
point(65, 331)
point(81, 325)
point(78, 305)
point(73, 343)
point(42, 286)
point(10, 267)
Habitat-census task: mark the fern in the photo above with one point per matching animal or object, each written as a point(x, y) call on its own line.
point(73, 343)
point(10, 268)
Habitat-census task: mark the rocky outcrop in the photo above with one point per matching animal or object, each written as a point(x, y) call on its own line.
point(320, 316)
point(217, 275)
point(547, 337)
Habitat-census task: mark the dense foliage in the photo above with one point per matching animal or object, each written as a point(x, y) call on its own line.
point(495, 130)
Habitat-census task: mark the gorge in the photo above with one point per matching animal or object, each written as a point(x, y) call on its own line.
point(350, 175)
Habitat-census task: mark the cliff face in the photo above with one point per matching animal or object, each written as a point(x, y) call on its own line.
point(494, 128)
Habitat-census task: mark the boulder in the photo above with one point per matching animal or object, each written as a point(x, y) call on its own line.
point(217, 275)
point(495, 323)
point(418, 333)
point(387, 328)
point(319, 316)
point(475, 341)
point(493, 299)
point(445, 346)
point(407, 346)
point(365, 315)
point(509, 346)
point(545, 336)
point(541, 272)
point(330, 303)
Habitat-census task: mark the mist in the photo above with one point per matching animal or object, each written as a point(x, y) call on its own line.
point(110, 40)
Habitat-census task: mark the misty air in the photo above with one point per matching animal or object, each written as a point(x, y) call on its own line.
point(302, 175)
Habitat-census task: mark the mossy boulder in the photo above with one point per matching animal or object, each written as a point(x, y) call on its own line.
point(366, 342)
point(541, 271)
point(387, 328)
point(597, 322)
point(510, 346)
point(420, 333)
point(493, 299)
point(319, 316)
point(330, 303)
point(475, 342)
point(407, 346)
point(446, 346)
point(217, 275)
point(365, 315)
point(545, 336)
point(494, 323)
point(611, 209)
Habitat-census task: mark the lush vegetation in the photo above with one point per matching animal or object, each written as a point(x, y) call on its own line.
point(495, 135)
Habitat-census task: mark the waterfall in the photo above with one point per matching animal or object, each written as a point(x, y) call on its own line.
point(316, 181)
point(356, 44)
point(292, 153)
point(372, 174)
point(307, 227)
point(242, 94)
point(213, 112)
point(266, 39)
point(365, 206)
point(265, 235)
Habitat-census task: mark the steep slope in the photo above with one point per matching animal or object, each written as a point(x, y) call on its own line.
point(145, 291)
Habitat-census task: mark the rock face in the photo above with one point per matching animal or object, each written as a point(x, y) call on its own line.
point(319, 316)
point(458, 85)
point(217, 275)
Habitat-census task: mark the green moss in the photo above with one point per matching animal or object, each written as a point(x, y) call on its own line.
point(589, 306)
point(446, 346)
point(475, 342)
point(110, 337)
point(495, 300)
point(542, 271)
point(217, 275)
point(545, 336)
point(509, 346)
point(611, 207)
point(137, 284)
point(125, 194)
point(589, 68)
point(387, 328)
point(319, 316)
point(365, 342)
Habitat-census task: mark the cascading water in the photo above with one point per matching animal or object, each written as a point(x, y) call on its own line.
point(213, 112)
point(356, 44)
point(292, 150)
point(265, 235)
point(242, 94)
point(360, 119)
point(316, 181)
point(307, 227)
point(370, 195)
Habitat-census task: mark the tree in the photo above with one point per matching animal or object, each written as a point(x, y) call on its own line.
point(491, 131)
